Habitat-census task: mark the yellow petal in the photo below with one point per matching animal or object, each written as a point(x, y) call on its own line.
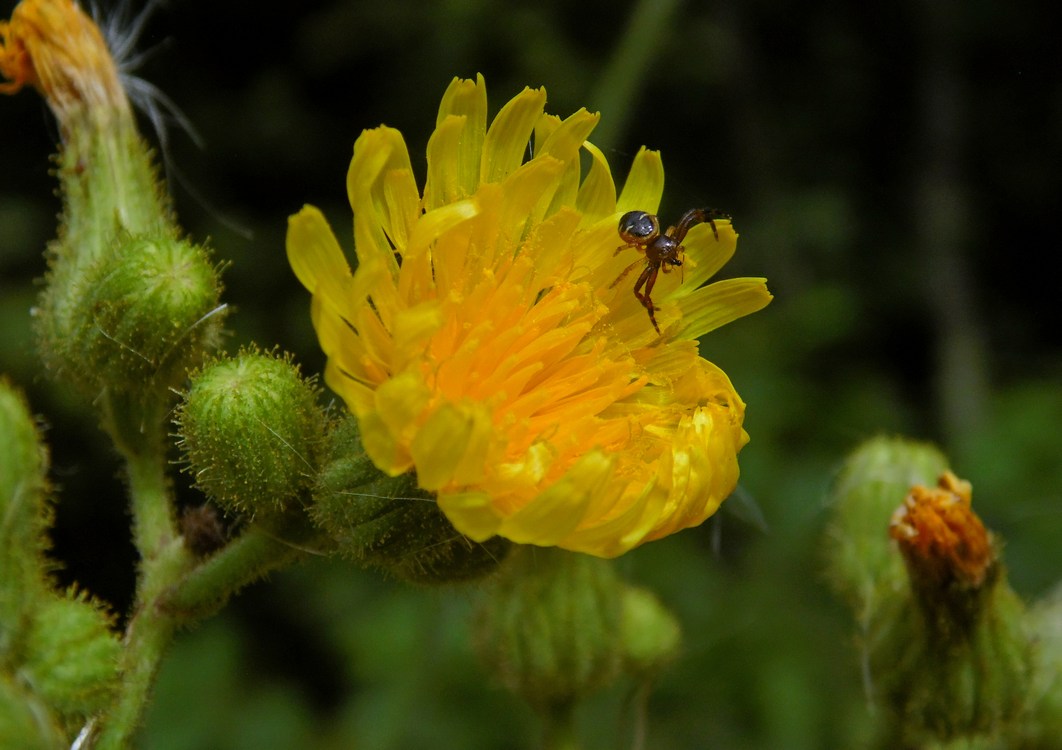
point(556, 512)
point(472, 513)
point(565, 141)
point(377, 154)
point(645, 183)
point(509, 134)
point(455, 149)
point(315, 256)
point(597, 195)
point(620, 533)
point(446, 182)
point(451, 447)
point(720, 303)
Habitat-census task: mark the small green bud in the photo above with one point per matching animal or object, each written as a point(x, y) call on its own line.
point(71, 657)
point(651, 634)
point(24, 723)
point(25, 514)
point(551, 630)
point(143, 316)
point(251, 431)
point(390, 523)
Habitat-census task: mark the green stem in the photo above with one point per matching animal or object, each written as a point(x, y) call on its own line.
point(174, 587)
point(176, 590)
point(640, 701)
point(147, 636)
point(154, 526)
point(624, 77)
point(138, 433)
point(204, 589)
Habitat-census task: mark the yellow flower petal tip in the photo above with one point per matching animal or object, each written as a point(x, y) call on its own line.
point(482, 342)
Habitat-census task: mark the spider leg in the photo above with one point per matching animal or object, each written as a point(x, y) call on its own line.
point(648, 279)
point(697, 216)
point(625, 271)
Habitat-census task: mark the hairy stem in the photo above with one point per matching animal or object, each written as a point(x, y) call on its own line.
point(174, 588)
point(147, 636)
point(204, 589)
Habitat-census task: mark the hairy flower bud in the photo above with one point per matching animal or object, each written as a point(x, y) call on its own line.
point(24, 514)
point(251, 430)
point(551, 630)
point(1042, 722)
point(388, 522)
point(948, 551)
point(72, 656)
point(956, 663)
point(862, 561)
point(144, 315)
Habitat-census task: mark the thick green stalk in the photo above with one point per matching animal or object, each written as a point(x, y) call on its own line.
point(175, 589)
point(164, 560)
point(146, 638)
point(139, 434)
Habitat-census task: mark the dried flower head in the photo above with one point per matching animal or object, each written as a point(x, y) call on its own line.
point(940, 534)
point(53, 46)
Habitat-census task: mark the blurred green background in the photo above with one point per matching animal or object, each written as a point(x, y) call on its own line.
point(892, 168)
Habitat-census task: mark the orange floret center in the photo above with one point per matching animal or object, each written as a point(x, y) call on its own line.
point(939, 533)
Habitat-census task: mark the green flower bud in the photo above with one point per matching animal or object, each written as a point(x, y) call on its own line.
point(652, 636)
point(141, 317)
point(551, 630)
point(861, 559)
point(942, 633)
point(71, 658)
point(24, 723)
point(25, 514)
point(251, 431)
point(390, 523)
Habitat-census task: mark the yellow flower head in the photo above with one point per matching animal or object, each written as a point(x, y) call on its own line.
point(53, 46)
point(479, 343)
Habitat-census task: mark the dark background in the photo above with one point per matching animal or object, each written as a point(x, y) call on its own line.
point(893, 169)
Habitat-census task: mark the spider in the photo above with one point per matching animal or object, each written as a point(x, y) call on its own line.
point(641, 230)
